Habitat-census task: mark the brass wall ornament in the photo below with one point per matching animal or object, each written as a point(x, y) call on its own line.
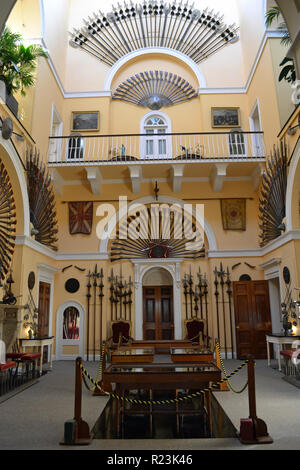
point(272, 205)
point(41, 201)
point(155, 89)
point(129, 27)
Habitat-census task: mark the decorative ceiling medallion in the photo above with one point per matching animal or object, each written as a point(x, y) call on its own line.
point(7, 222)
point(157, 232)
point(197, 34)
point(272, 209)
point(41, 201)
point(155, 89)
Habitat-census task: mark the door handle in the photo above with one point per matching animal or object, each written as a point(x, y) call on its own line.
point(237, 327)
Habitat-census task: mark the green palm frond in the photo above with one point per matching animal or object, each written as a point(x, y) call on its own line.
point(17, 62)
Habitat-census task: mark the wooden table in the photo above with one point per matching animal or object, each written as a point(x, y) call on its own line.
point(159, 376)
point(132, 355)
point(39, 343)
point(280, 340)
point(192, 355)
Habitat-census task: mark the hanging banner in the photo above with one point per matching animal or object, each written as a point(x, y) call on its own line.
point(80, 217)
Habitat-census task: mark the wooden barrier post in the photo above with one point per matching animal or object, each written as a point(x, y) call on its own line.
point(77, 431)
point(253, 430)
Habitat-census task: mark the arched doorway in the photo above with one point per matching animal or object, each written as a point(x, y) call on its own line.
point(158, 311)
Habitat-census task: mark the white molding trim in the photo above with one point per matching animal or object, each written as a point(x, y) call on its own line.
point(141, 267)
point(46, 274)
point(212, 253)
point(154, 50)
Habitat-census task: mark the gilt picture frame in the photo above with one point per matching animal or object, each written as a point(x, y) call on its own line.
point(85, 121)
point(225, 117)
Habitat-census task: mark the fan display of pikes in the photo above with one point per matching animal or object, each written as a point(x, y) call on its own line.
point(7, 222)
point(41, 200)
point(80, 217)
point(151, 234)
point(272, 209)
point(233, 214)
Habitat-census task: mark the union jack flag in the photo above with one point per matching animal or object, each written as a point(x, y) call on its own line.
point(80, 217)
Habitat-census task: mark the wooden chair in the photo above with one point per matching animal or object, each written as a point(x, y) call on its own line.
point(121, 333)
point(194, 329)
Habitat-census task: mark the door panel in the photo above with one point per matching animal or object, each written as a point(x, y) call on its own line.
point(252, 317)
point(158, 313)
point(43, 315)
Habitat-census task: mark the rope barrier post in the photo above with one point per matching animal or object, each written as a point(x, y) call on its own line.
point(77, 431)
point(223, 387)
point(253, 430)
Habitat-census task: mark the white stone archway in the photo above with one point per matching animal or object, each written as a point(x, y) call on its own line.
point(141, 267)
point(60, 342)
point(20, 172)
point(154, 50)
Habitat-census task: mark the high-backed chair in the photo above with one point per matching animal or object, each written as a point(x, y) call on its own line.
point(195, 331)
point(121, 333)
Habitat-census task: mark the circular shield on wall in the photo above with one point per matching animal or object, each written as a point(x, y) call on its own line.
point(72, 285)
point(286, 275)
point(31, 280)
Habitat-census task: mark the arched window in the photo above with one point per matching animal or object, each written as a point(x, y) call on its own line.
point(75, 148)
point(71, 323)
point(155, 144)
point(237, 143)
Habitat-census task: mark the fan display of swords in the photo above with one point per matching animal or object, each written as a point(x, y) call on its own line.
point(155, 89)
point(196, 297)
point(7, 222)
point(120, 296)
point(94, 321)
point(224, 308)
point(41, 201)
point(196, 33)
point(157, 232)
point(273, 196)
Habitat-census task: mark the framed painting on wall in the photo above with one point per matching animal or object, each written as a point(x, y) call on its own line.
point(85, 121)
point(225, 117)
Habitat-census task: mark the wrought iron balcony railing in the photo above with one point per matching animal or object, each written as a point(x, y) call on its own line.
point(78, 149)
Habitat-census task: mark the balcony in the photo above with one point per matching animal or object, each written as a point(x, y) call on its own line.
point(148, 148)
point(143, 157)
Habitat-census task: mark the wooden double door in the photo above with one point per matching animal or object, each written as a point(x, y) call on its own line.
point(252, 318)
point(158, 315)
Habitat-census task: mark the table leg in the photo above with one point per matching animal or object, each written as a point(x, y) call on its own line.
point(268, 353)
point(278, 358)
point(208, 409)
point(41, 360)
point(51, 356)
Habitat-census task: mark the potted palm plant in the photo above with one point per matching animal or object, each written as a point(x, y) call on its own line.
point(17, 66)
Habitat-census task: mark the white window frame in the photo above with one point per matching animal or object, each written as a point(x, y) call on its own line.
point(75, 135)
point(257, 142)
point(237, 131)
point(168, 138)
point(55, 145)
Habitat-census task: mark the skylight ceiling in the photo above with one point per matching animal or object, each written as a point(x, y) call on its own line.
point(152, 24)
